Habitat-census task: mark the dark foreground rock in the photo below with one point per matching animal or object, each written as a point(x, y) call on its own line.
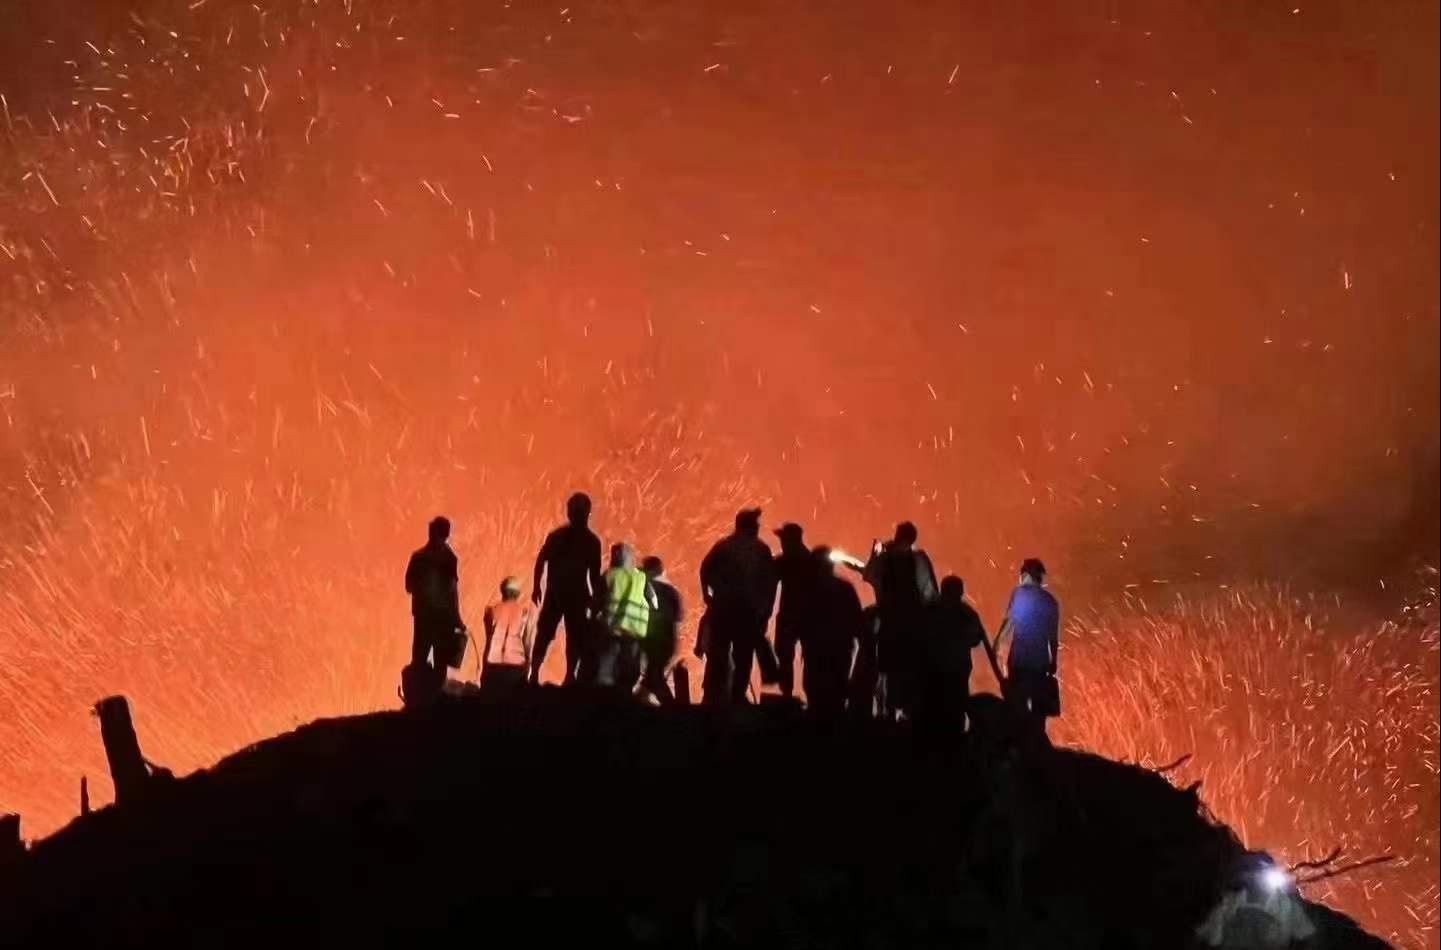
point(754, 828)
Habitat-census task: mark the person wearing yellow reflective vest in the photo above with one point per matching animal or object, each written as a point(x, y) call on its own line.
point(629, 600)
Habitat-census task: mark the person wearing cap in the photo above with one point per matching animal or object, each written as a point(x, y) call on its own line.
point(795, 570)
point(508, 640)
point(738, 585)
point(1033, 620)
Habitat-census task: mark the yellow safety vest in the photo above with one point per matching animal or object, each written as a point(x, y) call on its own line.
point(627, 610)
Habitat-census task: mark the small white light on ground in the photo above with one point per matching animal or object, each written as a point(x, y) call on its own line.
point(1275, 879)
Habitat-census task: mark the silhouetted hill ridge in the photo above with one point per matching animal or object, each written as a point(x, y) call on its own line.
point(749, 827)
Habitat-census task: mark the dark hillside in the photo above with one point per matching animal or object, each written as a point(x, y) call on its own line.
point(757, 827)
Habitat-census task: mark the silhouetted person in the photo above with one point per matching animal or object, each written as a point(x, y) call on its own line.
point(508, 640)
point(865, 672)
point(1033, 620)
point(569, 560)
point(737, 580)
point(905, 583)
point(797, 576)
point(432, 579)
point(953, 630)
point(833, 624)
point(628, 603)
point(660, 639)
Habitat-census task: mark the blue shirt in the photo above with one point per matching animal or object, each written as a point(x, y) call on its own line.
point(1035, 619)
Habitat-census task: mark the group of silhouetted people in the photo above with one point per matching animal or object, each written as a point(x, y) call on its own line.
point(908, 656)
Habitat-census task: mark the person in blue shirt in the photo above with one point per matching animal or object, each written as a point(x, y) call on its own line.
point(1033, 620)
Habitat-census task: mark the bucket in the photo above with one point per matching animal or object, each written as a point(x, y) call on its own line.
point(419, 685)
point(455, 644)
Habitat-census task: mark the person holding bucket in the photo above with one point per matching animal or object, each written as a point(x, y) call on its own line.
point(432, 579)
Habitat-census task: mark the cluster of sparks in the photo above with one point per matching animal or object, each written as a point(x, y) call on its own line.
point(1305, 735)
point(279, 281)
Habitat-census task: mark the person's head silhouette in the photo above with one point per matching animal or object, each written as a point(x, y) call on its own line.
point(439, 529)
point(1033, 571)
point(748, 522)
point(653, 567)
point(510, 588)
point(577, 508)
point(622, 555)
point(953, 590)
point(792, 536)
point(906, 535)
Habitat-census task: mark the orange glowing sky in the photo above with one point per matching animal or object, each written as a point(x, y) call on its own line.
point(1147, 289)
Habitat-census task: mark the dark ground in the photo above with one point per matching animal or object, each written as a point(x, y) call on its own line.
point(757, 827)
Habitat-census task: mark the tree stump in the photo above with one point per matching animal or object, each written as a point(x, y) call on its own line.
point(122, 750)
point(11, 847)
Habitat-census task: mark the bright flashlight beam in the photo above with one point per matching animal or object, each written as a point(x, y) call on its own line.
point(1275, 879)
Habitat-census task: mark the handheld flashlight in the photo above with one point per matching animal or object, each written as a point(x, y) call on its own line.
point(1274, 878)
